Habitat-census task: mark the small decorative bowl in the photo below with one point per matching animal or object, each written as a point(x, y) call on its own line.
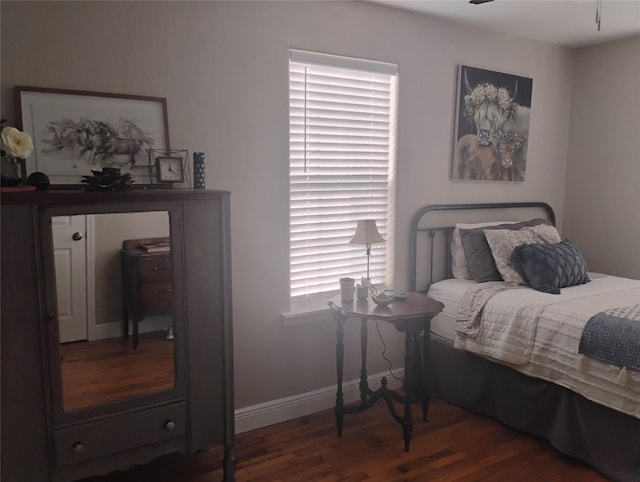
point(38, 179)
point(382, 299)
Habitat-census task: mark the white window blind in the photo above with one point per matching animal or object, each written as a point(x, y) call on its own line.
point(340, 113)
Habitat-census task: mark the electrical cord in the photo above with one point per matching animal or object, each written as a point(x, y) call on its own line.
point(384, 355)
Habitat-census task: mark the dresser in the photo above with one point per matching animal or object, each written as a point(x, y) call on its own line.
point(72, 410)
point(146, 280)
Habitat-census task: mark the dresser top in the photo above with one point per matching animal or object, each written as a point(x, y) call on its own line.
point(64, 197)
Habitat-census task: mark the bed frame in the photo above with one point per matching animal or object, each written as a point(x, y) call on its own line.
point(603, 438)
point(423, 229)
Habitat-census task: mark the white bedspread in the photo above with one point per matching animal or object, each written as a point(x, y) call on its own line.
point(544, 340)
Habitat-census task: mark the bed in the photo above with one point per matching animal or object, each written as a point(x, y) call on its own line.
point(521, 355)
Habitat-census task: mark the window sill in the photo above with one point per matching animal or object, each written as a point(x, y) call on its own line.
point(304, 317)
point(309, 310)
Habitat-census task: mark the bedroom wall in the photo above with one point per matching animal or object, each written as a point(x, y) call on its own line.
point(110, 230)
point(223, 68)
point(602, 212)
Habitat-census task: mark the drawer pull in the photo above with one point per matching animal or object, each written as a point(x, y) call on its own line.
point(78, 448)
point(157, 268)
point(155, 292)
point(169, 425)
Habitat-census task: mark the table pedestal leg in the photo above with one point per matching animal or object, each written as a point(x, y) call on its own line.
point(425, 372)
point(136, 321)
point(417, 383)
point(364, 386)
point(339, 365)
point(420, 382)
point(125, 320)
point(407, 420)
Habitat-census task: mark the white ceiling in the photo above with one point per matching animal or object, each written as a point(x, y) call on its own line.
point(570, 23)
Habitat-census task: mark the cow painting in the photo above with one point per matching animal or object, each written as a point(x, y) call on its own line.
point(498, 160)
point(492, 126)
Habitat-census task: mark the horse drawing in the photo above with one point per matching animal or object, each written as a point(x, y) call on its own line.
point(101, 139)
point(64, 135)
point(89, 137)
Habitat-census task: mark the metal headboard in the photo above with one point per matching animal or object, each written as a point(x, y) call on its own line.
point(421, 226)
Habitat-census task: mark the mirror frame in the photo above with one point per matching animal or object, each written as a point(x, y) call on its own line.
point(52, 342)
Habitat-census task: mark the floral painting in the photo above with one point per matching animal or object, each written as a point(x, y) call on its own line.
point(75, 133)
point(492, 125)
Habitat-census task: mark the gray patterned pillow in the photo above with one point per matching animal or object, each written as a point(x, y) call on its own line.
point(503, 242)
point(477, 252)
point(458, 261)
point(549, 267)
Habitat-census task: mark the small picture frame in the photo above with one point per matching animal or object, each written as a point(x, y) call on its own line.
point(169, 168)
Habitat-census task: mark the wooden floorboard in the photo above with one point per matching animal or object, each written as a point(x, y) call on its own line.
point(98, 372)
point(455, 445)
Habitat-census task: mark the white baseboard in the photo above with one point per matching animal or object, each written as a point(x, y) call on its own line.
point(276, 411)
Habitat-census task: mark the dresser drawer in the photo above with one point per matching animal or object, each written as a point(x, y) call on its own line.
point(153, 291)
point(120, 433)
point(154, 267)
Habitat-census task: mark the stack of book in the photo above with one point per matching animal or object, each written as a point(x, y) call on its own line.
point(156, 248)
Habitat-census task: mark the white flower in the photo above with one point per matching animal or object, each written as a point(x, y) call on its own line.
point(16, 143)
point(504, 99)
point(487, 92)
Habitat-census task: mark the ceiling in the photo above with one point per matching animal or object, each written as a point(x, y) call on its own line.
point(569, 23)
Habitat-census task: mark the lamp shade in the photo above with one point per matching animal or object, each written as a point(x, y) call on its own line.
point(367, 233)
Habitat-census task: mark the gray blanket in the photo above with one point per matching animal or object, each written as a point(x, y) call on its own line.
point(613, 336)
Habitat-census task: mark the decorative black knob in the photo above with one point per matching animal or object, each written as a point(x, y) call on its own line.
point(78, 448)
point(169, 425)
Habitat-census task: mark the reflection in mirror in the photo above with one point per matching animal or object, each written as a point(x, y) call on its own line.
point(109, 283)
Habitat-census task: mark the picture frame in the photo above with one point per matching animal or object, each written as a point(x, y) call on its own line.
point(165, 178)
point(76, 132)
point(169, 169)
point(491, 133)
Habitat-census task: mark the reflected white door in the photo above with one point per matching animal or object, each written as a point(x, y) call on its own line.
point(70, 254)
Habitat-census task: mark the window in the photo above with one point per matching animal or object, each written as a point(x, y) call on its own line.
point(341, 152)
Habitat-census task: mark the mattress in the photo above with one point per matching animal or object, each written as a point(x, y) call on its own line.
point(449, 292)
point(553, 353)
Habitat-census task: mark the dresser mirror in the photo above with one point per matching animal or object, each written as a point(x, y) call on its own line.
point(99, 364)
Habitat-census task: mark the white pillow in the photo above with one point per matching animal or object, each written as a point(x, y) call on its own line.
point(458, 261)
point(503, 241)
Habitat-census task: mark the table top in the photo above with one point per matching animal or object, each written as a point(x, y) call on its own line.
point(135, 247)
point(416, 305)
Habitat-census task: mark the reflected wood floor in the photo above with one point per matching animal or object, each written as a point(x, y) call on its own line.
point(97, 372)
point(455, 445)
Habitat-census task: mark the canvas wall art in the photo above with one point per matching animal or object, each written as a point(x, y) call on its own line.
point(76, 132)
point(492, 125)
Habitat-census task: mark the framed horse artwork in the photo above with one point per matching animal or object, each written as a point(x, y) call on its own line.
point(77, 132)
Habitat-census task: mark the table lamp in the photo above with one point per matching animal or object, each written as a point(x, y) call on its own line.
point(367, 234)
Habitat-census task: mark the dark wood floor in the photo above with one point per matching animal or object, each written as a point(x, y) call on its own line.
point(97, 372)
point(454, 445)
